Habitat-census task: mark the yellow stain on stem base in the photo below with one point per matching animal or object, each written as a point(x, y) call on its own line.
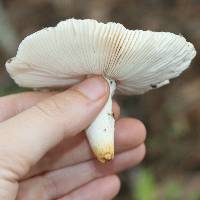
point(104, 155)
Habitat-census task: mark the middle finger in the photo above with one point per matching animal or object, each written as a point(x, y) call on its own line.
point(130, 133)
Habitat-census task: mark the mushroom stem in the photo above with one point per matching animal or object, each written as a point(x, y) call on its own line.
point(100, 133)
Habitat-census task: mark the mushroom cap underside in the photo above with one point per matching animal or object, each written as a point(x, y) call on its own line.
point(64, 55)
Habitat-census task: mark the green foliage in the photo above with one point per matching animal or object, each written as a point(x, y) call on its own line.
point(173, 191)
point(195, 196)
point(145, 188)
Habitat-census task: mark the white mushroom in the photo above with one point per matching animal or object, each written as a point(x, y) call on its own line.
point(133, 62)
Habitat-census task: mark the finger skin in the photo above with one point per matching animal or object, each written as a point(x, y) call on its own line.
point(27, 137)
point(43, 126)
point(108, 187)
point(14, 104)
point(129, 134)
point(34, 138)
point(57, 183)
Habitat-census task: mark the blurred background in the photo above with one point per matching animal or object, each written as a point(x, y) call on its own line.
point(171, 169)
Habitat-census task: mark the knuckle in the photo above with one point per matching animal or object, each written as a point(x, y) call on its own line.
point(56, 106)
point(51, 107)
point(14, 167)
point(55, 111)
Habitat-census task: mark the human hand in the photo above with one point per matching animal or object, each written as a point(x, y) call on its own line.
point(45, 155)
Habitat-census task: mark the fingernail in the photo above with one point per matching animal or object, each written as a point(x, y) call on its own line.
point(93, 88)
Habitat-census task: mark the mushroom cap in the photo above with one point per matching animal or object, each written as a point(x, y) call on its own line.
point(64, 55)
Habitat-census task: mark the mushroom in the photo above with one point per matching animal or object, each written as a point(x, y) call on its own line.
point(132, 62)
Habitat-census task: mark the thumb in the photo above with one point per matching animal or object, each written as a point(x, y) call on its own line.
point(29, 135)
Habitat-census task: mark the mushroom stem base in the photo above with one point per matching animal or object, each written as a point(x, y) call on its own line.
point(100, 133)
